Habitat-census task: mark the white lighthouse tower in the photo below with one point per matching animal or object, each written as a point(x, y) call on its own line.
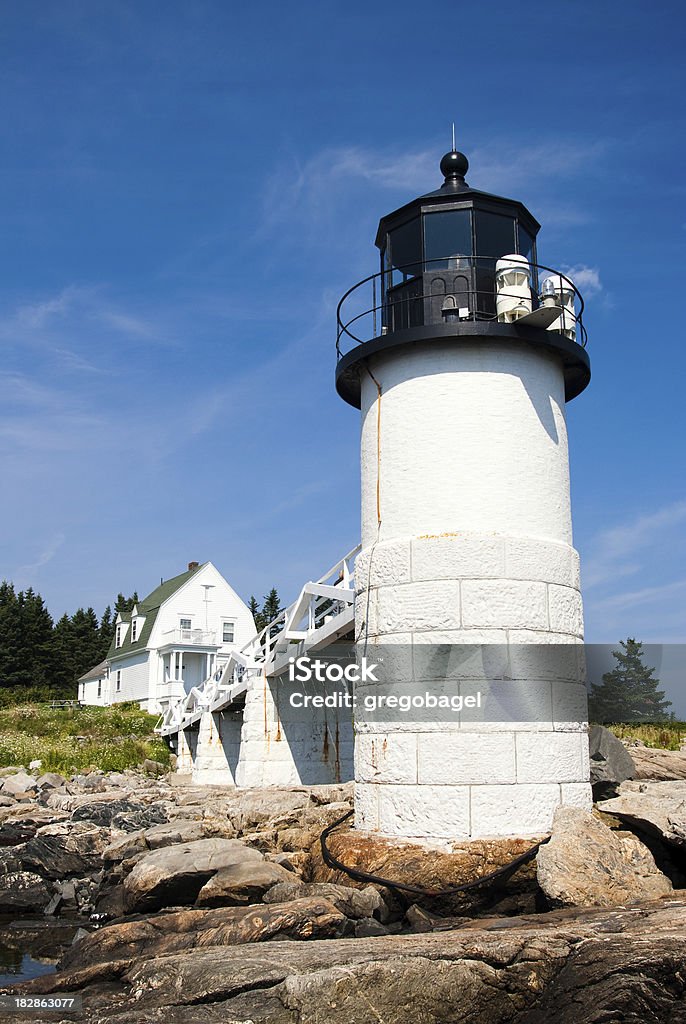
point(461, 354)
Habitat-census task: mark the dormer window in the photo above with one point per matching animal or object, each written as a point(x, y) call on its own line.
point(117, 640)
point(134, 631)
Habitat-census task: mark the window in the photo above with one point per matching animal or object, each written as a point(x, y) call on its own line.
point(526, 243)
point(184, 623)
point(117, 642)
point(134, 631)
point(118, 680)
point(99, 689)
point(406, 248)
point(227, 632)
point(448, 233)
point(495, 234)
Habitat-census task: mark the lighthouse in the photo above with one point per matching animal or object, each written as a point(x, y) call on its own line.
point(461, 354)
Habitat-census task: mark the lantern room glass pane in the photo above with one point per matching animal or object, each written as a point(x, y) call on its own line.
point(405, 249)
point(495, 234)
point(526, 243)
point(446, 234)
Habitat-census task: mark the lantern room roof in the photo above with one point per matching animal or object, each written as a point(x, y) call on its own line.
point(455, 191)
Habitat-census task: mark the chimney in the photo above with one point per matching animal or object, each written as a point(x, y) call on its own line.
point(193, 565)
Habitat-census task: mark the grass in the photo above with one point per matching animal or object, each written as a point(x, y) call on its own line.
point(77, 739)
point(665, 735)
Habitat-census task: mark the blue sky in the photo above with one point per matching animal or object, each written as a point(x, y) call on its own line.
point(188, 188)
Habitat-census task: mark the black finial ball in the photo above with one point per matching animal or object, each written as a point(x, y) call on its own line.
point(454, 165)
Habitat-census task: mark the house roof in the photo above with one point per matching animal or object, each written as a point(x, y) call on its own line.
point(94, 673)
point(148, 608)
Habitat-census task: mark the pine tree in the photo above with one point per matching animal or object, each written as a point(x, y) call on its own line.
point(86, 639)
point(105, 633)
point(65, 673)
point(125, 604)
point(269, 611)
point(11, 665)
point(628, 693)
point(36, 643)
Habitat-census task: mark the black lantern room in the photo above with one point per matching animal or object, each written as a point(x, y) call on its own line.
point(459, 263)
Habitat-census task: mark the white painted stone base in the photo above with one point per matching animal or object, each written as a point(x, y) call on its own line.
point(440, 781)
point(456, 785)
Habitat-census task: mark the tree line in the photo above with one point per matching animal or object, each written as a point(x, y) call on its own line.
point(47, 657)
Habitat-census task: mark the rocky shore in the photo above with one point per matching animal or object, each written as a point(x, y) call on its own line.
point(163, 901)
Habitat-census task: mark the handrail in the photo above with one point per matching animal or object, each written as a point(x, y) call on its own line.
point(470, 263)
point(310, 609)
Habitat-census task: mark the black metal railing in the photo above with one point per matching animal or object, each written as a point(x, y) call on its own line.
point(430, 292)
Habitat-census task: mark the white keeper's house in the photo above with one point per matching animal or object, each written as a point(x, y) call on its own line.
point(175, 639)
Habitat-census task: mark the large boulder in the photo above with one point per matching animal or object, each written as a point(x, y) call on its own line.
point(579, 966)
point(244, 882)
point(611, 762)
point(658, 808)
point(311, 918)
point(416, 865)
point(175, 875)
point(67, 848)
point(658, 765)
point(586, 864)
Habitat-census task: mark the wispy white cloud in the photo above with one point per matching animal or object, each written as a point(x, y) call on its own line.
point(320, 182)
point(644, 596)
point(77, 316)
point(587, 279)
point(504, 165)
point(648, 549)
point(24, 574)
point(626, 540)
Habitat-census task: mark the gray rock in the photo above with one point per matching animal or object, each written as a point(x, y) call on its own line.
point(611, 763)
point(173, 832)
point(568, 966)
point(50, 780)
point(354, 903)
point(22, 891)
point(131, 844)
point(241, 883)
point(658, 808)
point(103, 812)
point(175, 875)
point(659, 765)
point(93, 783)
point(67, 848)
point(369, 926)
point(586, 864)
point(155, 768)
point(18, 784)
